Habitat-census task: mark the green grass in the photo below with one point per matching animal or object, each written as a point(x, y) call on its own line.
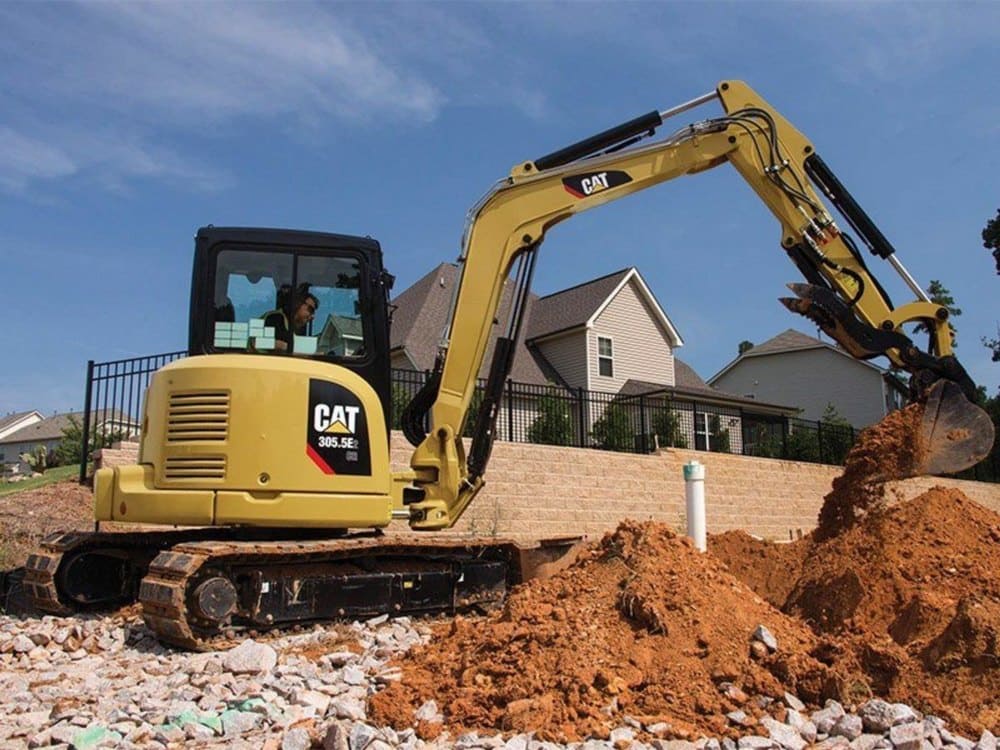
point(51, 476)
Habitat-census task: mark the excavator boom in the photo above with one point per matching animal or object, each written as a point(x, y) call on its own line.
point(782, 167)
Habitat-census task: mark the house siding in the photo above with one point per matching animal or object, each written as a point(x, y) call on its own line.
point(568, 355)
point(810, 379)
point(641, 347)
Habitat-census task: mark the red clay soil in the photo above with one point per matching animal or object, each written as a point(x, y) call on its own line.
point(890, 449)
point(643, 626)
point(914, 588)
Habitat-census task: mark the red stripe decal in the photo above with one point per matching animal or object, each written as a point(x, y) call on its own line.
point(573, 192)
point(318, 460)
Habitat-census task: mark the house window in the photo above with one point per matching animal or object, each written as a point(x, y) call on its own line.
point(605, 357)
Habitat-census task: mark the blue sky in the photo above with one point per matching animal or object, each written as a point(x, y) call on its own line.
point(125, 127)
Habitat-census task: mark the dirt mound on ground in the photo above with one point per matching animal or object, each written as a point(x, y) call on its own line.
point(915, 588)
point(26, 517)
point(643, 625)
point(890, 449)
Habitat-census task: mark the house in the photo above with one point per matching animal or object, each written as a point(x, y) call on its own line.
point(15, 421)
point(800, 369)
point(48, 432)
point(607, 341)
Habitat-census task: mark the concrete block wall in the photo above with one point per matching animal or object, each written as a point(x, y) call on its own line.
point(542, 491)
point(538, 491)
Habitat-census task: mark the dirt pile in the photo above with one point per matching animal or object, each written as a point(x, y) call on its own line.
point(890, 449)
point(26, 517)
point(914, 589)
point(643, 625)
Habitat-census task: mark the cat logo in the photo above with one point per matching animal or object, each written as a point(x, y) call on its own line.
point(592, 183)
point(335, 419)
point(337, 430)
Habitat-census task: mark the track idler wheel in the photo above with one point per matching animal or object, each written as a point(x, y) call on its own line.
point(214, 599)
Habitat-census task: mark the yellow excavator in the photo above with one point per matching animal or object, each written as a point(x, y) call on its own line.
point(267, 449)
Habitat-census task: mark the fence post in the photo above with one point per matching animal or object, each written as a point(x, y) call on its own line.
point(86, 421)
point(784, 438)
point(819, 441)
point(642, 423)
point(583, 418)
point(510, 410)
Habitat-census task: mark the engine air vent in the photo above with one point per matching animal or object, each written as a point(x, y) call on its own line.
point(198, 416)
point(195, 467)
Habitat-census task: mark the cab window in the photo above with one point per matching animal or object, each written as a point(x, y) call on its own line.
point(288, 303)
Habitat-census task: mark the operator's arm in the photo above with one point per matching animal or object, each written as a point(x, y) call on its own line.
point(513, 218)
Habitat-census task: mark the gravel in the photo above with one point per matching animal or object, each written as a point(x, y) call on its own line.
point(95, 682)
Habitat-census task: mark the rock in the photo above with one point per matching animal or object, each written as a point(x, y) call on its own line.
point(783, 734)
point(353, 676)
point(765, 636)
point(518, 742)
point(986, 741)
point(908, 736)
point(737, 717)
point(660, 728)
point(250, 657)
point(336, 737)
point(793, 702)
point(825, 718)
point(346, 707)
point(903, 714)
point(755, 743)
point(239, 722)
point(866, 742)
point(832, 743)
point(877, 716)
point(296, 739)
point(428, 712)
point(848, 726)
point(673, 745)
point(621, 734)
point(22, 644)
point(315, 699)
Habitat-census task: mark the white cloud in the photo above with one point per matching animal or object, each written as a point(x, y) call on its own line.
point(23, 159)
point(58, 152)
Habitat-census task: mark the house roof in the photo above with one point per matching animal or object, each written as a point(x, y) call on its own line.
point(52, 427)
point(580, 305)
point(11, 419)
point(789, 341)
point(689, 384)
point(421, 314)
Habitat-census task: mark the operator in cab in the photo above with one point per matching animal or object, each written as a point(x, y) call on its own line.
point(292, 318)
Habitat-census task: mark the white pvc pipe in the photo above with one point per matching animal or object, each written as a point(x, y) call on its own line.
point(694, 495)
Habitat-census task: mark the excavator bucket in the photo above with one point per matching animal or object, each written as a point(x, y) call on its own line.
point(955, 434)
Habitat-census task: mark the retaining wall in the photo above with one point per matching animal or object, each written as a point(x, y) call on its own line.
point(538, 491)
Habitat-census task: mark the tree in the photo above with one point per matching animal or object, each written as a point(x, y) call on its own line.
point(991, 238)
point(613, 431)
point(745, 346)
point(37, 459)
point(552, 426)
point(667, 428)
point(718, 436)
point(70, 448)
point(940, 295)
point(835, 437)
point(802, 444)
point(991, 241)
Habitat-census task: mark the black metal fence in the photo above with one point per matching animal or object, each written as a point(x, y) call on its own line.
point(112, 402)
point(546, 415)
point(642, 423)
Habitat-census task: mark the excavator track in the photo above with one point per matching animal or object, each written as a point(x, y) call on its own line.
point(198, 593)
point(199, 587)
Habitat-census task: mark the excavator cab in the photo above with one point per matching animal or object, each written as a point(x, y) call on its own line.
point(249, 286)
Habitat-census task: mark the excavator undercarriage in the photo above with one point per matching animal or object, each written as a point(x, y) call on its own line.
point(201, 586)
